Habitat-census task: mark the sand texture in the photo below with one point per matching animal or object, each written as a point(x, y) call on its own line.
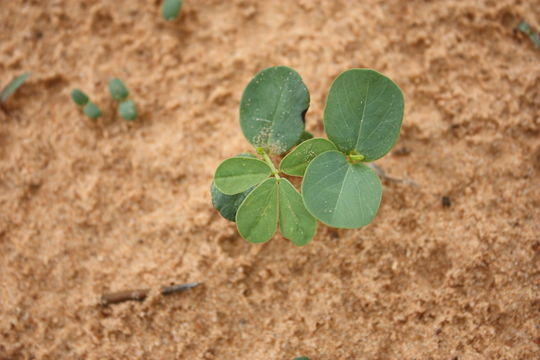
point(87, 208)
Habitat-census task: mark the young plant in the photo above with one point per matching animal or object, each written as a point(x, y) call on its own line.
point(82, 100)
point(120, 93)
point(362, 119)
point(12, 86)
point(170, 9)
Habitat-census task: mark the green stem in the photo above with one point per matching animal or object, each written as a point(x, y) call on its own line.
point(271, 164)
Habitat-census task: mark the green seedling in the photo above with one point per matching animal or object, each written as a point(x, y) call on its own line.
point(525, 28)
point(79, 97)
point(362, 119)
point(126, 108)
point(13, 86)
point(92, 111)
point(82, 100)
point(170, 9)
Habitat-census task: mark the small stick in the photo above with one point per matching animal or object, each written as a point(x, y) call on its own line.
point(141, 294)
point(173, 289)
point(125, 295)
point(382, 174)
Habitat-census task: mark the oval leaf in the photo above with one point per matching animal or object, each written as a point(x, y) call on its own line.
point(295, 222)
point(128, 110)
point(272, 109)
point(79, 97)
point(341, 194)
point(117, 89)
point(170, 9)
point(227, 205)
point(238, 174)
point(296, 162)
point(257, 216)
point(363, 113)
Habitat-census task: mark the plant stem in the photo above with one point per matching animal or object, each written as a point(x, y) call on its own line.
point(271, 164)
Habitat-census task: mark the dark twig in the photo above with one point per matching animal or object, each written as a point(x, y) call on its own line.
point(382, 174)
point(141, 294)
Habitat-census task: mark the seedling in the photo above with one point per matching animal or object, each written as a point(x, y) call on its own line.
point(525, 28)
point(82, 100)
point(12, 87)
point(362, 119)
point(120, 93)
point(170, 9)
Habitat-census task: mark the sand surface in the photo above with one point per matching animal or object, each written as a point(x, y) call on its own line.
point(87, 207)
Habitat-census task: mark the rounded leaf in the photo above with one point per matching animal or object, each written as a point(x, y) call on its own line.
point(128, 110)
point(227, 205)
point(92, 111)
point(341, 194)
point(170, 9)
point(363, 113)
point(272, 109)
point(295, 222)
point(79, 97)
point(296, 162)
point(257, 216)
point(238, 174)
point(118, 90)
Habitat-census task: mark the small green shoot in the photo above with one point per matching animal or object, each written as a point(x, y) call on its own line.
point(92, 111)
point(525, 28)
point(119, 92)
point(362, 119)
point(83, 101)
point(79, 97)
point(13, 86)
point(170, 9)
point(128, 110)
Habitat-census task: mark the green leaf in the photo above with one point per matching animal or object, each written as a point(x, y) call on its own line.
point(295, 222)
point(79, 97)
point(257, 216)
point(238, 174)
point(272, 109)
point(296, 162)
point(341, 194)
point(92, 111)
point(118, 90)
point(13, 86)
point(128, 110)
point(363, 113)
point(227, 205)
point(306, 135)
point(170, 9)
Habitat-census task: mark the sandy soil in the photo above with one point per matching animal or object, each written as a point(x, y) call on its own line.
point(87, 208)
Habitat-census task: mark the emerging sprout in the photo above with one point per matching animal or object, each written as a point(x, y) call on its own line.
point(79, 97)
point(92, 111)
point(120, 93)
point(170, 9)
point(118, 90)
point(82, 100)
point(13, 86)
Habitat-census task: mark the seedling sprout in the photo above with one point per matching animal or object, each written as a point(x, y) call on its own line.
point(170, 9)
point(13, 86)
point(362, 119)
point(119, 92)
point(83, 101)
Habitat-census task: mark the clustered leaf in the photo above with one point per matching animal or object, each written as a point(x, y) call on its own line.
point(362, 118)
point(89, 108)
point(119, 92)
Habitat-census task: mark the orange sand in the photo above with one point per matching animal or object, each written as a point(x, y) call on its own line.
point(87, 208)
